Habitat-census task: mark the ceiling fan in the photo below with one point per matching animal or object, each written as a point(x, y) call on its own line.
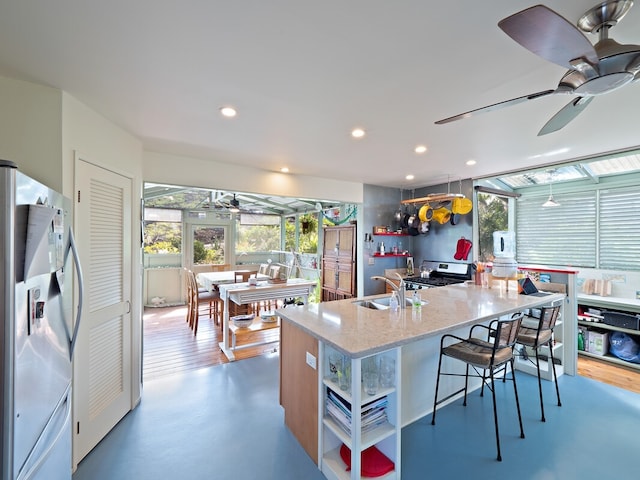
point(593, 69)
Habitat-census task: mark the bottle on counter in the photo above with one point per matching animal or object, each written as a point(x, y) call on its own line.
point(394, 302)
point(416, 302)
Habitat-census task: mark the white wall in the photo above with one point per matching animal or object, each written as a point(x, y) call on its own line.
point(624, 284)
point(195, 172)
point(99, 141)
point(30, 126)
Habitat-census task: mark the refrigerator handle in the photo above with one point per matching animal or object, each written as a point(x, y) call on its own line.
point(76, 261)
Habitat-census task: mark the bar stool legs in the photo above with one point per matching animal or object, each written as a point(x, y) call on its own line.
point(539, 336)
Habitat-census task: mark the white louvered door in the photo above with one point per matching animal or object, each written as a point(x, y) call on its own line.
point(102, 363)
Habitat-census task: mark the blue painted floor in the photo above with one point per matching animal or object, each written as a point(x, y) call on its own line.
point(224, 422)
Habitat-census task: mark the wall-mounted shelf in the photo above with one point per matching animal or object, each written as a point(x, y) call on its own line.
point(391, 234)
point(377, 255)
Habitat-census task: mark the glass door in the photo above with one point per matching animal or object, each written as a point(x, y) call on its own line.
point(209, 245)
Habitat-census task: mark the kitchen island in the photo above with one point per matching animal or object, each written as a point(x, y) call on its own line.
point(410, 336)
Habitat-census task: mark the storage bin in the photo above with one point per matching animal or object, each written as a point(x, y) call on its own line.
point(596, 342)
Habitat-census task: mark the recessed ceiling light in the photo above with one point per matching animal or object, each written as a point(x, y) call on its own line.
point(410, 176)
point(420, 149)
point(357, 133)
point(471, 162)
point(284, 170)
point(228, 112)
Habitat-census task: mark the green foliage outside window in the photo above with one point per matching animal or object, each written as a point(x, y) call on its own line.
point(492, 216)
point(308, 241)
point(308, 233)
point(162, 237)
point(257, 238)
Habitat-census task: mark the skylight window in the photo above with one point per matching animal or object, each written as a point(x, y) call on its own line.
point(614, 165)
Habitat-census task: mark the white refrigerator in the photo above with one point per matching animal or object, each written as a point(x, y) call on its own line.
point(38, 262)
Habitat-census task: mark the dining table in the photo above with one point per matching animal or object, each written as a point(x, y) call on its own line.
point(244, 293)
point(211, 280)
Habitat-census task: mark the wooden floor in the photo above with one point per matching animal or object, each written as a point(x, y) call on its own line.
point(619, 376)
point(170, 347)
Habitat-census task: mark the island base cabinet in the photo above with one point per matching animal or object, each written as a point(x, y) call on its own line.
point(355, 418)
point(528, 365)
point(299, 386)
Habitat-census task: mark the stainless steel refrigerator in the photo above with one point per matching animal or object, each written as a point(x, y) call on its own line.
point(38, 260)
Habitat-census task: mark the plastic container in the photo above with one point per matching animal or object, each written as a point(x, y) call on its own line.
point(505, 267)
point(504, 244)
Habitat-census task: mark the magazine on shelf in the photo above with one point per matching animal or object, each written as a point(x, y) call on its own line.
point(373, 414)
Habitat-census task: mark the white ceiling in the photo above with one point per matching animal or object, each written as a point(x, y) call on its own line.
point(303, 74)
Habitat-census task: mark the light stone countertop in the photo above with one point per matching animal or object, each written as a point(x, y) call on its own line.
point(359, 331)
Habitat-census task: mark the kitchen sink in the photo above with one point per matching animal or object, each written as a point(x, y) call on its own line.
point(371, 304)
point(383, 303)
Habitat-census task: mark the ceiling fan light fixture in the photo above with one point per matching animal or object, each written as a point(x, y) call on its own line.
point(234, 205)
point(604, 83)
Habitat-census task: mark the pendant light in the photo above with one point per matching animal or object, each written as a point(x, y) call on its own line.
point(550, 201)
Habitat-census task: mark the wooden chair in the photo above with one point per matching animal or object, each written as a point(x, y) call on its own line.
point(274, 271)
point(242, 277)
point(263, 269)
point(493, 354)
point(221, 268)
point(198, 298)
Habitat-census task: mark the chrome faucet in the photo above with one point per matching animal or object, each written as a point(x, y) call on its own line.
point(399, 289)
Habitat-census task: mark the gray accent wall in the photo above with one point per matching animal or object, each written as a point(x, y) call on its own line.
point(380, 205)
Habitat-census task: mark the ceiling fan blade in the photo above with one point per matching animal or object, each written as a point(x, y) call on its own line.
point(634, 67)
point(549, 35)
point(565, 115)
point(496, 106)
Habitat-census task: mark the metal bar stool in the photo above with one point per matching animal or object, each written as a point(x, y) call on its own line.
point(537, 335)
point(492, 354)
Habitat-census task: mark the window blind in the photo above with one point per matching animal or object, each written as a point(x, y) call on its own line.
point(563, 235)
point(619, 242)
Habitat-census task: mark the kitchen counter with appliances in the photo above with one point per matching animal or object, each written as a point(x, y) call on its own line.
point(411, 335)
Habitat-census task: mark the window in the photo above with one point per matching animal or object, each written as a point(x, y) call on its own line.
point(493, 215)
point(563, 235)
point(257, 233)
point(308, 239)
point(599, 228)
point(307, 233)
point(290, 231)
point(162, 231)
point(619, 232)
point(208, 245)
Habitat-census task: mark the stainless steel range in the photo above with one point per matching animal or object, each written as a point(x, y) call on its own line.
point(444, 274)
